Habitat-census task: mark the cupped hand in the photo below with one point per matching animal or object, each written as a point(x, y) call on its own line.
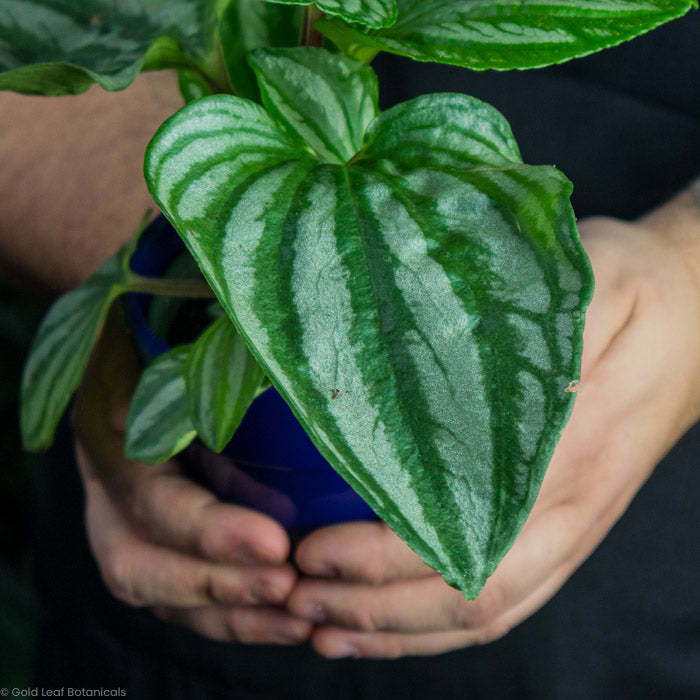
point(164, 542)
point(369, 595)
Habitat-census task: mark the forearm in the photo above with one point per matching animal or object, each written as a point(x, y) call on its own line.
point(71, 184)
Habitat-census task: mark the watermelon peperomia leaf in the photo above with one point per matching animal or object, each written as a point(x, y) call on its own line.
point(222, 378)
point(159, 424)
point(332, 121)
point(61, 349)
point(482, 34)
point(420, 306)
point(53, 47)
point(370, 13)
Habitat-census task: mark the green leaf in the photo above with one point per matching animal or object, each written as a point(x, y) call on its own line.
point(61, 349)
point(193, 86)
point(159, 425)
point(252, 24)
point(371, 13)
point(482, 34)
point(420, 308)
point(53, 47)
point(222, 379)
point(326, 99)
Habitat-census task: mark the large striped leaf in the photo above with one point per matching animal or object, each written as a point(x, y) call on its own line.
point(483, 34)
point(222, 379)
point(159, 425)
point(371, 13)
point(420, 307)
point(54, 47)
point(61, 348)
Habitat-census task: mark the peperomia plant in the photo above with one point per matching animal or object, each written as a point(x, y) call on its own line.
point(414, 290)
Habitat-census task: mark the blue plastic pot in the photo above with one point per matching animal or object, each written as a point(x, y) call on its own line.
point(270, 465)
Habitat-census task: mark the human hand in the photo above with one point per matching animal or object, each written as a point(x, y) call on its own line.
point(371, 596)
point(164, 542)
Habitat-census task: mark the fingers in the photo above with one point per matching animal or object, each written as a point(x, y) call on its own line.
point(170, 510)
point(161, 540)
point(513, 593)
point(429, 617)
point(417, 605)
point(364, 551)
point(212, 568)
point(425, 616)
point(139, 572)
point(243, 624)
point(422, 605)
point(336, 643)
point(538, 564)
point(176, 512)
point(141, 575)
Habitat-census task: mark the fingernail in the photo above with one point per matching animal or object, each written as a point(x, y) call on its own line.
point(266, 592)
point(313, 612)
point(343, 650)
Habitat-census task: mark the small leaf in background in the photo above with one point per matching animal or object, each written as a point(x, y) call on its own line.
point(420, 307)
point(330, 115)
point(371, 13)
point(192, 85)
point(61, 349)
point(251, 24)
point(159, 425)
point(51, 47)
point(222, 379)
point(481, 34)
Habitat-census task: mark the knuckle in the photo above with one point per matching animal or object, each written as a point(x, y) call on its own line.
point(117, 574)
point(205, 585)
point(217, 590)
point(365, 616)
point(233, 629)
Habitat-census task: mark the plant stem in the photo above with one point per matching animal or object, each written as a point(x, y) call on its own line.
point(309, 35)
point(194, 289)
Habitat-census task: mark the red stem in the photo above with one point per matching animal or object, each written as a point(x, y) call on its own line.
point(309, 35)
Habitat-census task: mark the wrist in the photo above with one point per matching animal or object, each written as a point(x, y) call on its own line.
point(678, 222)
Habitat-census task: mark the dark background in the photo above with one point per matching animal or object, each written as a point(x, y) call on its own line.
point(19, 315)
